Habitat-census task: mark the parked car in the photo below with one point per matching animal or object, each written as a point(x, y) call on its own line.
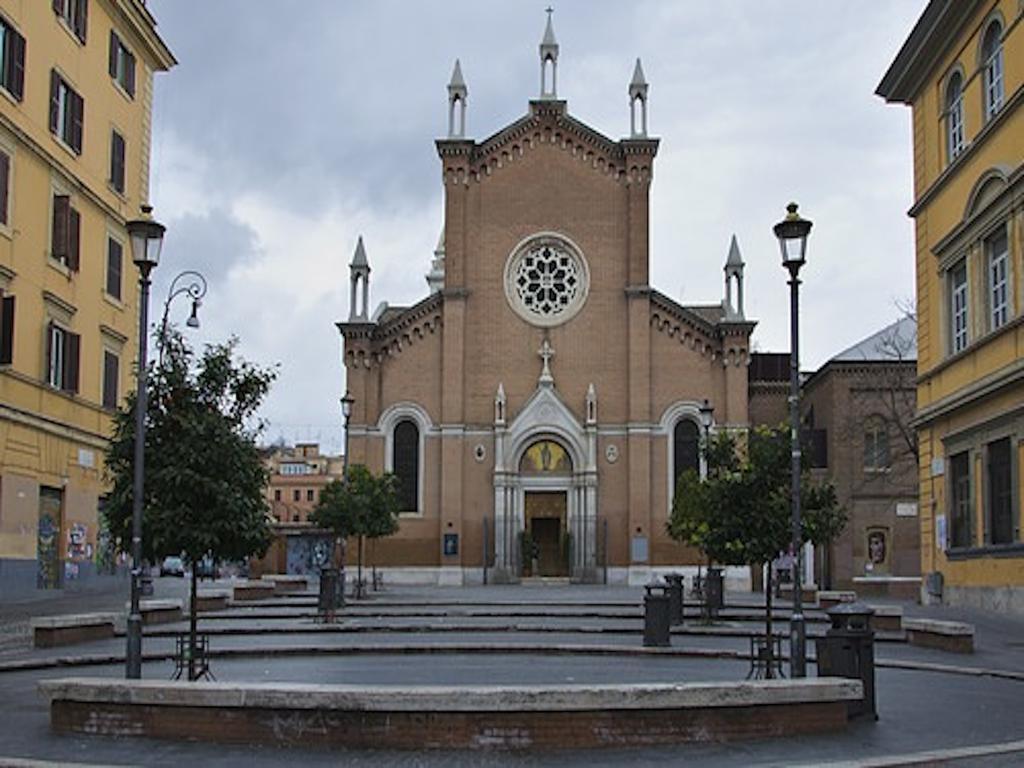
point(172, 566)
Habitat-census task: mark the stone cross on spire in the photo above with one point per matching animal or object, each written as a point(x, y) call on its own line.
point(546, 353)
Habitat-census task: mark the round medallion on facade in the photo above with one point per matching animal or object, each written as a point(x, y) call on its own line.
point(611, 453)
point(546, 279)
point(479, 452)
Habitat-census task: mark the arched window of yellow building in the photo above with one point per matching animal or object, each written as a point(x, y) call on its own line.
point(992, 61)
point(545, 456)
point(954, 116)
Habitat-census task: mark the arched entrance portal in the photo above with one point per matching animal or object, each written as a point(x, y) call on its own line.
point(545, 471)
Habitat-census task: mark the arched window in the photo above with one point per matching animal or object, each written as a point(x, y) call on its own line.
point(685, 449)
point(954, 116)
point(406, 464)
point(992, 63)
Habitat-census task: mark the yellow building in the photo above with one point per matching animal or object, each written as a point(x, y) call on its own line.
point(962, 72)
point(76, 92)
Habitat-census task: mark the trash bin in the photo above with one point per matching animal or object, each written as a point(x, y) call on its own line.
point(327, 601)
point(656, 615)
point(848, 650)
point(675, 598)
point(714, 593)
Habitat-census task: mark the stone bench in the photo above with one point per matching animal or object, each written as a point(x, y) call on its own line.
point(52, 631)
point(831, 598)
point(212, 600)
point(253, 590)
point(887, 618)
point(159, 611)
point(952, 636)
point(450, 717)
point(287, 583)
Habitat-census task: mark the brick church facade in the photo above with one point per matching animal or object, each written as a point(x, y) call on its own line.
point(539, 402)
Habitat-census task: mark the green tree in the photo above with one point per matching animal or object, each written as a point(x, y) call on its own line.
point(205, 480)
point(740, 514)
point(361, 505)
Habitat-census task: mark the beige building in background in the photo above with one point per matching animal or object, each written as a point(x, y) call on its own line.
point(539, 403)
point(76, 91)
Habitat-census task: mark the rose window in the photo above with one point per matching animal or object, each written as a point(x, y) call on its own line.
point(546, 280)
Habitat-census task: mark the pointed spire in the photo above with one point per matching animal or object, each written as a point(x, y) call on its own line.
point(457, 82)
point(733, 272)
point(639, 81)
point(457, 95)
point(359, 258)
point(734, 260)
point(435, 277)
point(359, 277)
point(549, 32)
point(638, 101)
point(549, 55)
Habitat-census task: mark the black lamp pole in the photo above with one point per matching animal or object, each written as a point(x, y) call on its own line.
point(792, 234)
point(146, 237)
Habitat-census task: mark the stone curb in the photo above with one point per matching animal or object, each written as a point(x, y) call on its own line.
point(483, 648)
point(930, 758)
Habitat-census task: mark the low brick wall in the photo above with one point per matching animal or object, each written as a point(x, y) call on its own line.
point(212, 601)
point(887, 618)
point(895, 587)
point(253, 590)
point(953, 636)
point(458, 717)
point(54, 631)
point(159, 611)
point(285, 584)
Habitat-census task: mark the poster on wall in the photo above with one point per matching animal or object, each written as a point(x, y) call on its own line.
point(940, 533)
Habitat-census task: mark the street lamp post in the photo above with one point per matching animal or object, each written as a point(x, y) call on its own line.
point(792, 233)
point(195, 287)
point(147, 237)
point(346, 412)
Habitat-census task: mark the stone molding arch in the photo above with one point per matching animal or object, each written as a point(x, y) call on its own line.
point(389, 419)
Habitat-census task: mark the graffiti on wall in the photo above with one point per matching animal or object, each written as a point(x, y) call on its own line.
point(47, 556)
point(308, 554)
point(79, 550)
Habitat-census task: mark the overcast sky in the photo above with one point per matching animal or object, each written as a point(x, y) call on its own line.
point(291, 127)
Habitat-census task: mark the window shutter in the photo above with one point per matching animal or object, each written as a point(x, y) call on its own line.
point(72, 347)
point(129, 73)
point(7, 331)
point(77, 121)
point(14, 63)
point(117, 161)
point(5, 172)
point(115, 43)
point(110, 366)
point(74, 238)
point(114, 257)
point(54, 100)
point(49, 352)
point(81, 17)
point(61, 218)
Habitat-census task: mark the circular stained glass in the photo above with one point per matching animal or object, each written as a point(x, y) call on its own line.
point(546, 280)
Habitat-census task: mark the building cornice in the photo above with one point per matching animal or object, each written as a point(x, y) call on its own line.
point(143, 24)
point(936, 29)
point(985, 387)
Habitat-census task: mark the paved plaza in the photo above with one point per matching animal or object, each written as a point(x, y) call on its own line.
point(521, 635)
